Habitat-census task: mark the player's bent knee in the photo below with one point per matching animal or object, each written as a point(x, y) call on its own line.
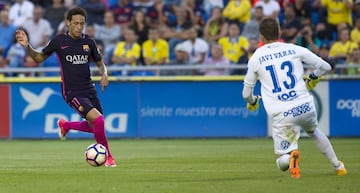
point(283, 162)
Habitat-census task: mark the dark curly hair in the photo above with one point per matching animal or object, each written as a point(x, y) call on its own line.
point(76, 11)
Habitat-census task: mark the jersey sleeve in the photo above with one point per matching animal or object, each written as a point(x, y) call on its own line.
point(320, 65)
point(251, 75)
point(250, 82)
point(96, 55)
point(51, 47)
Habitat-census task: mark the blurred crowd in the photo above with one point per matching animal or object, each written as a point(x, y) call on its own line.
point(184, 32)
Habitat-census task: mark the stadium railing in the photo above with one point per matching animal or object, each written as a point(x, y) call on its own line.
point(125, 71)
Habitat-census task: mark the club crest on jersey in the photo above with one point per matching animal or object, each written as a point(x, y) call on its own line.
point(285, 144)
point(81, 108)
point(86, 48)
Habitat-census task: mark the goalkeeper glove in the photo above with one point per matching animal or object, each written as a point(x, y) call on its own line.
point(254, 106)
point(311, 81)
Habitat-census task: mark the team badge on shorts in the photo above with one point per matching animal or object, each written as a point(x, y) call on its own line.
point(285, 144)
point(86, 48)
point(81, 108)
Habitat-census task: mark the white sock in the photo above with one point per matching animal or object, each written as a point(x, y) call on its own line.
point(283, 162)
point(325, 147)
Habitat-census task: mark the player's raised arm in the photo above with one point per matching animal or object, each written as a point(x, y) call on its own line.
point(22, 39)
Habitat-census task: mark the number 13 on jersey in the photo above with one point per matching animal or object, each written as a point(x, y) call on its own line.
point(284, 89)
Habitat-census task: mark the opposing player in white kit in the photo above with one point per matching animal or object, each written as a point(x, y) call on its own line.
point(287, 101)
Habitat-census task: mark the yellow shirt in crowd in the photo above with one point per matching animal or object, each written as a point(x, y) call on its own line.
point(155, 52)
point(128, 51)
point(238, 10)
point(355, 35)
point(232, 49)
point(337, 12)
point(338, 48)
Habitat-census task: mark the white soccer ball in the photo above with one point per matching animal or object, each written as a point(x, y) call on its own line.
point(96, 155)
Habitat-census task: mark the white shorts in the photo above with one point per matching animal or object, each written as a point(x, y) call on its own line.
point(287, 126)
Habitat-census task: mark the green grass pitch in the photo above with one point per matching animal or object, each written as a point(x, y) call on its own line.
point(172, 166)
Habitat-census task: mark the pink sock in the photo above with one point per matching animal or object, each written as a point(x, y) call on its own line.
point(79, 126)
point(99, 133)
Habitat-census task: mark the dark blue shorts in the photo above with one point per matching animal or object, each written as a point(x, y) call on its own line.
point(83, 101)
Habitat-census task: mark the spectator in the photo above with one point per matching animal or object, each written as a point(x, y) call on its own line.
point(90, 31)
point(237, 11)
point(62, 28)
point(181, 58)
point(156, 14)
point(69, 3)
point(235, 46)
point(284, 3)
point(197, 48)
point(7, 32)
point(251, 28)
point(16, 56)
point(95, 10)
point(143, 5)
point(338, 12)
point(343, 47)
point(174, 33)
point(39, 29)
point(4, 4)
point(217, 59)
point(42, 3)
point(253, 45)
point(127, 52)
point(355, 33)
point(271, 8)
point(109, 34)
point(352, 62)
point(322, 33)
point(20, 12)
point(155, 50)
point(307, 39)
point(195, 14)
point(55, 14)
point(303, 10)
point(140, 27)
point(319, 10)
point(356, 8)
point(123, 12)
point(209, 5)
point(216, 27)
point(290, 25)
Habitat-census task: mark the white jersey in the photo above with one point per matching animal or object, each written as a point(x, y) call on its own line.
point(279, 68)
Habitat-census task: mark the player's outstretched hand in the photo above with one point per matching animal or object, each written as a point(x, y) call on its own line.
point(255, 105)
point(21, 37)
point(311, 81)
